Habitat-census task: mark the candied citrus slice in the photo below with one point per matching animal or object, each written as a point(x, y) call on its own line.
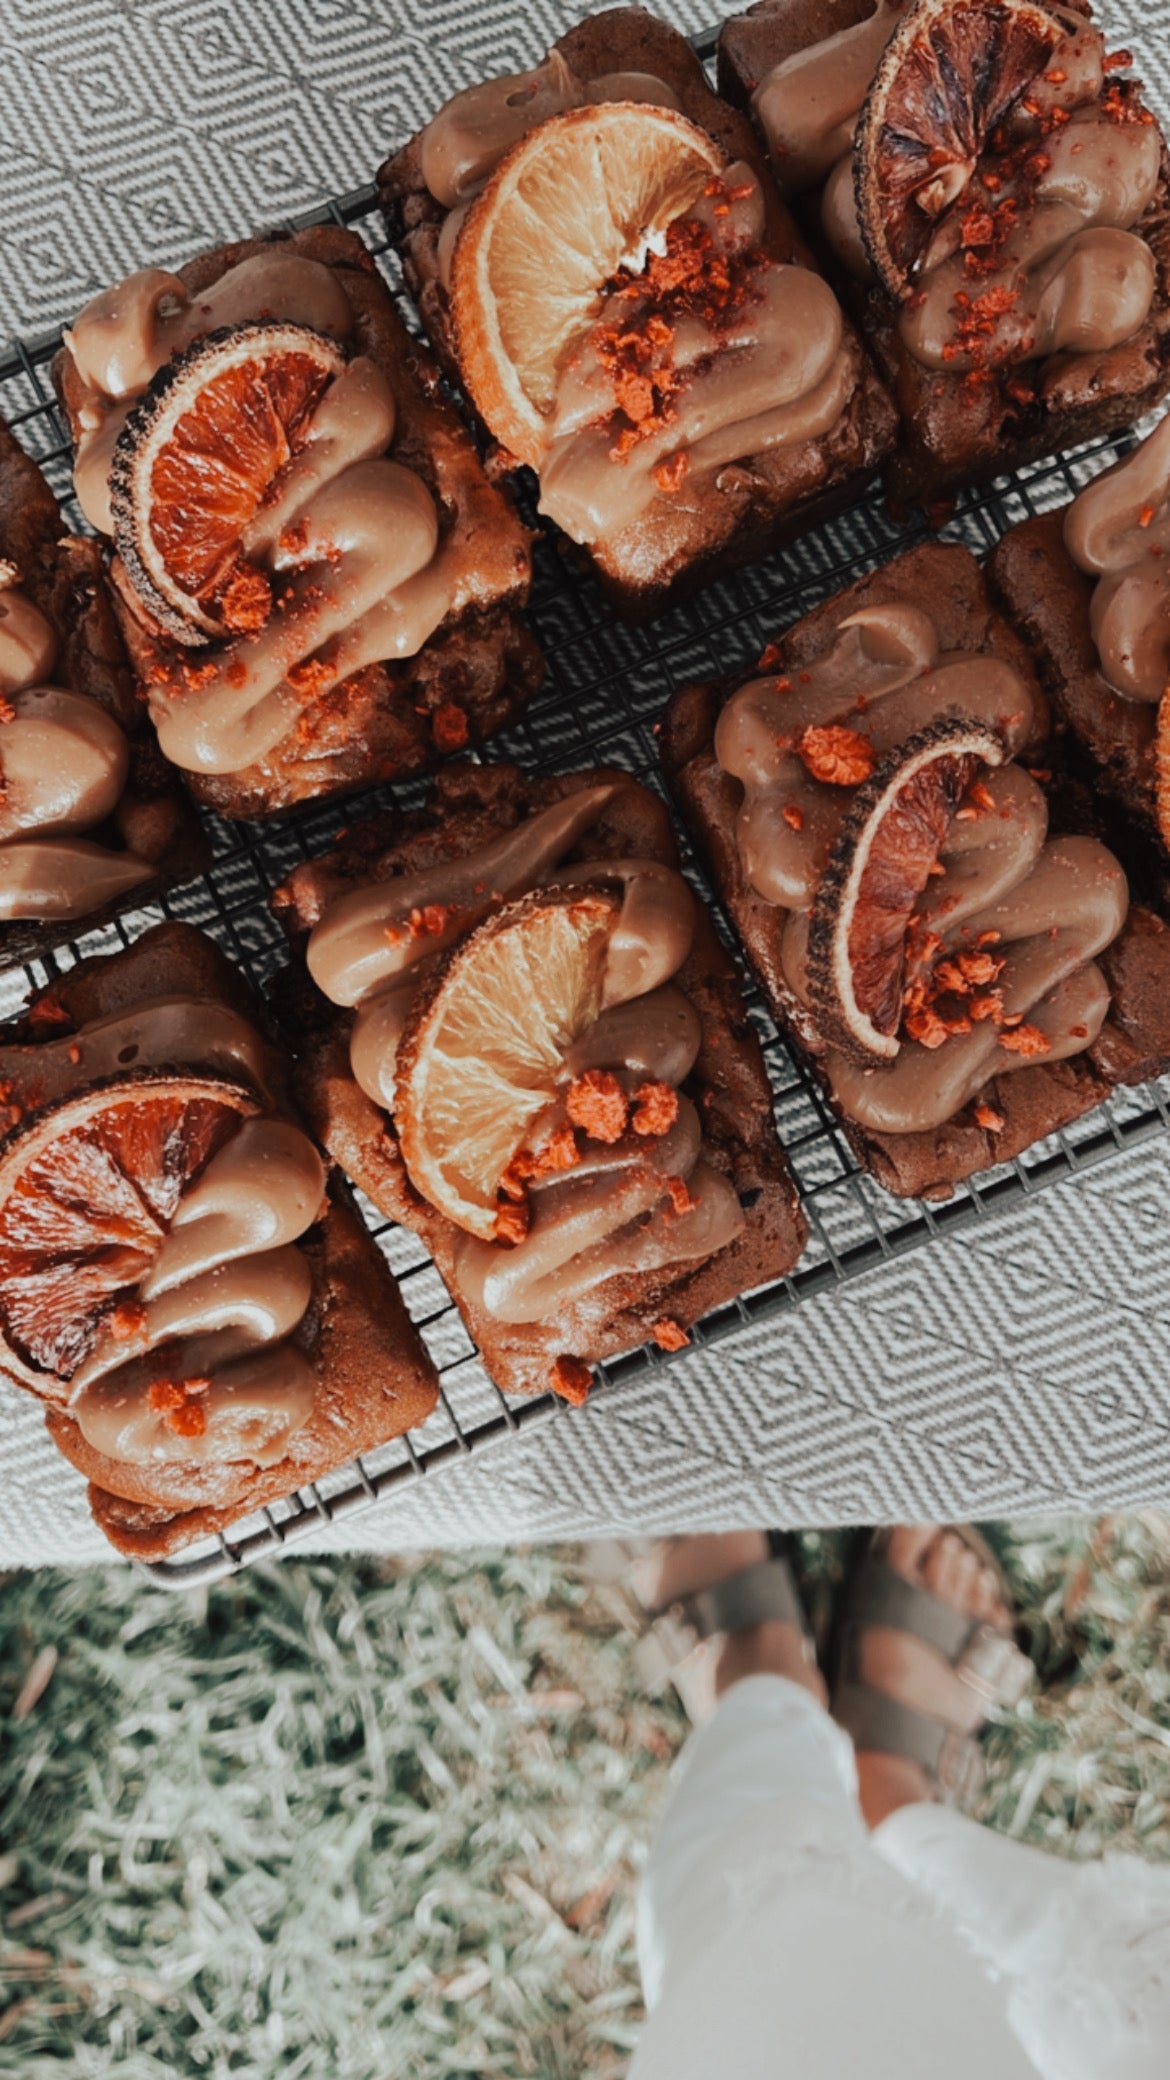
point(194, 463)
point(880, 864)
point(570, 204)
point(951, 71)
point(485, 1047)
point(88, 1190)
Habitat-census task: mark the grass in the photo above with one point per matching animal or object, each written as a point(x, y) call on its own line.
point(374, 1820)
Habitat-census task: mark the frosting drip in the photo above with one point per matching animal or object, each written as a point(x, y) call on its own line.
point(639, 1203)
point(463, 144)
point(1027, 913)
point(63, 766)
point(671, 381)
point(1036, 255)
point(1118, 531)
point(347, 540)
point(195, 1366)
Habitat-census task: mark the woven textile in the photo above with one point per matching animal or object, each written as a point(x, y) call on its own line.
point(1021, 1367)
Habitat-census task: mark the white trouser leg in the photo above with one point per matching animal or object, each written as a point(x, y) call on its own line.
point(768, 1741)
point(775, 1945)
point(1084, 1948)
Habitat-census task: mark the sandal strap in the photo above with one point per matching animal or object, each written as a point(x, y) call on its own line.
point(879, 1724)
point(757, 1594)
point(882, 1596)
point(986, 1660)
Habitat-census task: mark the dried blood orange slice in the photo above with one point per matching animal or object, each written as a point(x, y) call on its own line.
point(880, 864)
point(485, 1047)
point(950, 73)
point(88, 1190)
point(571, 203)
point(194, 462)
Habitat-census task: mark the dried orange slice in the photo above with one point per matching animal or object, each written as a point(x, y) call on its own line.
point(880, 864)
point(88, 1189)
point(571, 203)
point(194, 462)
point(951, 71)
point(485, 1047)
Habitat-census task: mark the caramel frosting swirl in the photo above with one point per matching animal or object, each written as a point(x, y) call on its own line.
point(1118, 531)
point(1037, 255)
point(348, 537)
point(63, 766)
point(204, 1372)
point(617, 1210)
point(1029, 913)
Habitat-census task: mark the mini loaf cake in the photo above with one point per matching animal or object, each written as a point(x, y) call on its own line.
point(317, 585)
point(519, 1035)
point(603, 264)
point(994, 196)
point(964, 978)
point(1088, 587)
point(92, 820)
point(182, 1282)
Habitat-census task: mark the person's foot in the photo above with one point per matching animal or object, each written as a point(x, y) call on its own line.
point(680, 1566)
point(912, 1671)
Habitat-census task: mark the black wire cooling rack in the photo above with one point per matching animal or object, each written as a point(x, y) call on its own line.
point(606, 686)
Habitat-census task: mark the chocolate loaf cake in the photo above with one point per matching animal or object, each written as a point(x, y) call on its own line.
point(647, 541)
point(92, 819)
point(906, 942)
point(685, 1125)
point(183, 1281)
point(985, 403)
point(411, 570)
point(1093, 570)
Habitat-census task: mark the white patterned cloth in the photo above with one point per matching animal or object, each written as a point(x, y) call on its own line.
point(1022, 1367)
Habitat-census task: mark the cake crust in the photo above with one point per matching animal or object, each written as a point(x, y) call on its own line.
point(1033, 1101)
point(950, 433)
point(759, 503)
point(63, 576)
point(476, 673)
point(374, 1379)
point(469, 806)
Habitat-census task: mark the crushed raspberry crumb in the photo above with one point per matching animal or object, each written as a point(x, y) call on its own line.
point(246, 602)
point(177, 1402)
point(679, 1194)
point(657, 1108)
point(559, 1152)
point(669, 474)
point(836, 755)
point(670, 1335)
point(125, 1321)
point(449, 726)
point(7, 711)
point(597, 1103)
point(571, 1378)
point(769, 658)
point(513, 1220)
point(988, 1117)
point(48, 1011)
point(1145, 517)
point(793, 816)
point(431, 919)
point(1026, 1040)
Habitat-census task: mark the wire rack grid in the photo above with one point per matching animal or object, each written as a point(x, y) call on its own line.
point(606, 686)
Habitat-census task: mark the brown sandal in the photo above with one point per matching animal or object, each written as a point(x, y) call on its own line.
point(682, 1638)
point(989, 1662)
